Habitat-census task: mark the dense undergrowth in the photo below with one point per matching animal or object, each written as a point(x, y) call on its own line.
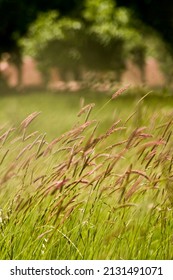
point(88, 194)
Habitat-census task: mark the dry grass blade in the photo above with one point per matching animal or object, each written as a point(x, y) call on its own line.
point(113, 128)
point(133, 188)
point(31, 135)
point(75, 132)
point(9, 174)
point(27, 161)
point(36, 141)
point(72, 154)
point(133, 135)
point(130, 117)
point(51, 145)
point(67, 214)
point(4, 136)
point(120, 91)
point(56, 186)
point(116, 144)
point(4, 156)
point(139, 172)
point(23, 150)
point(41, 144)
point(29, 119)
point(92, 141)
point(94, 170)
point(145, 135)
point(111, 131)
point(85, 109)
point(152, 144)
point(113, 163)
point(167, 127)
point(78, 130)
point(150, 160)
point(44, 233)
point(125, 205)
point(39, 178)
point(143, 97)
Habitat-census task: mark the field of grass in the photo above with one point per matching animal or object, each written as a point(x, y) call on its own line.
point(86, 177)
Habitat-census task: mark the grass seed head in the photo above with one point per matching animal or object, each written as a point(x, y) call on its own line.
point(120, 91)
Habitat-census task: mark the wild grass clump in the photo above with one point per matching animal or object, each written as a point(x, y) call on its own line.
point(87, 194)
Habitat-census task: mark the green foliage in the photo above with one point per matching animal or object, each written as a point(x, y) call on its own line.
point(111, 30)
point(17, 16)
point(52, 41)
point(98, 11)
point(101, 39)
point(46, 28)
point(107, 22)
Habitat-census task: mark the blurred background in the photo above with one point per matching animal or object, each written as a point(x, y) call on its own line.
point(62, 51)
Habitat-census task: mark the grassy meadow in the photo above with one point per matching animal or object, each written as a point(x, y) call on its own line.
point(86, 176)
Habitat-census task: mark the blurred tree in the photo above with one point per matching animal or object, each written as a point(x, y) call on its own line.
point(17, 15)
point(54, 41)
point(101, 39)
point(112, 35)
point(106, 25)
point(158, 15)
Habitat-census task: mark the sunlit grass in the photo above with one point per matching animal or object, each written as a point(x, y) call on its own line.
point(98, 187)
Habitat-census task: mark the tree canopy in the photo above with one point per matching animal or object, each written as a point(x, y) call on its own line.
point(100, 39)
point(17, 15)
point(95, 33)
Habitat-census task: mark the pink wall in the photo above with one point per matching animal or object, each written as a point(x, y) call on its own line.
point(32, 77)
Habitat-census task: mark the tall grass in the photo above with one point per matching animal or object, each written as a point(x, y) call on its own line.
point(88, 194)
